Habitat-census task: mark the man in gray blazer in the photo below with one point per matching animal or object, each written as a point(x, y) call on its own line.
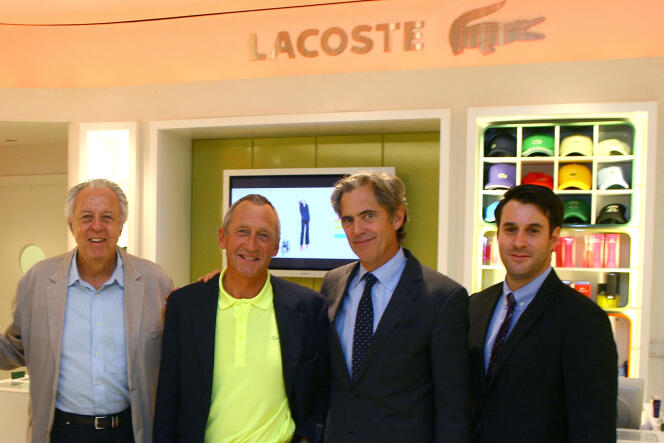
point(87, 324)
point(398, 335)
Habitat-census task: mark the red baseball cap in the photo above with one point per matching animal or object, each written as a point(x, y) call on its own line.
point(538, 178)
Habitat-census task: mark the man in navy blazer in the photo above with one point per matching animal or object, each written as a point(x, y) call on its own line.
point(543, 358)
point(398, 338)
point(191, 393)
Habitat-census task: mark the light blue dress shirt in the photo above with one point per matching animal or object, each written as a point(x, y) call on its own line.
point(522, 296)
point(93, 362)
point(388, 277)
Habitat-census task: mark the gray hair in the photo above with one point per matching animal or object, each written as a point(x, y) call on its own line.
point(95, 184)
point(389, 190)
point(257, 200)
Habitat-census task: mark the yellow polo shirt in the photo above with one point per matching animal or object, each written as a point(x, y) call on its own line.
point(249, 402)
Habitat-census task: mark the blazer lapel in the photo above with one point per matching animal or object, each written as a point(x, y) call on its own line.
point(335, 295)
point(290, 324)
point(533, 312)
point(477, 337)
point(203, 321)
point(405, 293)
point(56, 301)
point(134, 294)
point(339, 289)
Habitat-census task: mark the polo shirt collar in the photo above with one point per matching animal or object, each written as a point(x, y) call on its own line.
point(262, 300)
point(116, 276)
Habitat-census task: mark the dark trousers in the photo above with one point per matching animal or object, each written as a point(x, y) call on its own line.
point(67, 431)
point(304, 232)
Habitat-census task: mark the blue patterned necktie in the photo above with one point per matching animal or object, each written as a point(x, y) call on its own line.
point(363, 324)
point(502, 332)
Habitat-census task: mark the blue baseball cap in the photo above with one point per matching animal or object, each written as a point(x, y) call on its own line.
point(490, 212)
point(502, 145)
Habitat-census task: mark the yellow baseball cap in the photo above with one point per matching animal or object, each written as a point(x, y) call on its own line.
point(575, 175)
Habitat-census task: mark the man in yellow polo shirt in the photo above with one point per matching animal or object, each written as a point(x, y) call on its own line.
point(244, 356)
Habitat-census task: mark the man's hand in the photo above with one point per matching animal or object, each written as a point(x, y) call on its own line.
point(206, 278)
point(209, 276)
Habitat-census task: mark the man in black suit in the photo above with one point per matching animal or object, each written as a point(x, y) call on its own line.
point(398, 345)
point(543, 358)
point(244, 355)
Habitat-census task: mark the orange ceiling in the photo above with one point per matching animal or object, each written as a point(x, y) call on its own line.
point(222, 47)
point(99, 11)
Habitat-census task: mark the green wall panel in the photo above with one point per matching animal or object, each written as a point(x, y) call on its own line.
point(416, 158)
point(209, 158)
point(349, 150)
point(293, 152)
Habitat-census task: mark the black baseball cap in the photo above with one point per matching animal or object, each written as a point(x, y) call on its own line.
point(612, 213)
point(501, 145)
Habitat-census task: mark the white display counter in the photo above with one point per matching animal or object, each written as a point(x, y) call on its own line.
point(632, 435)
point(14, 404)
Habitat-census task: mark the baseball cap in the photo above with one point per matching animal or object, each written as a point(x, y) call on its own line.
point(576, 145)
point(611, 177)
point(575, 175)
point(502, 145)
point(613, 146)
point(490, 212)
point(624, 132)
point(576, 211)
point(612, 213)
point(538, 178)
point(501, 176)
point(537, 144)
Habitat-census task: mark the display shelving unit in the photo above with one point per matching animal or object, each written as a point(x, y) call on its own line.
point(630, 319)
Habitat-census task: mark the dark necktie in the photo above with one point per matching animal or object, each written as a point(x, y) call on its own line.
point(502, 332)
point(363, 324)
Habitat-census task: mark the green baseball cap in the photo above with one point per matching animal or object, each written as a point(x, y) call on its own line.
point(576, 211)
point(538, 144)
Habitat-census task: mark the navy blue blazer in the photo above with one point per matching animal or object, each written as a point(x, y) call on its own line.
point(185, 378)
point(555, 379)
point(413, 383)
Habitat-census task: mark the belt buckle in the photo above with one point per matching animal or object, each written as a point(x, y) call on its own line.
point(97, 425)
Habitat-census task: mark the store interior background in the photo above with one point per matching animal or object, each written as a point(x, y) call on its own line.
point(36, 171)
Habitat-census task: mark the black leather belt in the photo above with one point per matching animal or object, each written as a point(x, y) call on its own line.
point(97, 422)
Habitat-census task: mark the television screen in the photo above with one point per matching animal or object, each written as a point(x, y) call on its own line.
point(312, 239)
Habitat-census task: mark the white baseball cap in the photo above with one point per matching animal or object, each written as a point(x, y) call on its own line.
point(576, 144)
point(613, 146)
point(611, 177)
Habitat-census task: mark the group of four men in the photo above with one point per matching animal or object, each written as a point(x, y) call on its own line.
point(392, 350)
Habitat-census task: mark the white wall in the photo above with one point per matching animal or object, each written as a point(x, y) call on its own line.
point(32, 213)
point(33, 182)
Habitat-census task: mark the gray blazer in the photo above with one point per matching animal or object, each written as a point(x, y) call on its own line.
point(34, 337)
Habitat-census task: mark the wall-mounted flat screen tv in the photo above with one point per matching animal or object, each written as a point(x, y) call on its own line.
point(312, 239)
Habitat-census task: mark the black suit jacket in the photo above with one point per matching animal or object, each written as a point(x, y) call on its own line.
point(185, 379)
point(413, 383)
point(555, 379)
